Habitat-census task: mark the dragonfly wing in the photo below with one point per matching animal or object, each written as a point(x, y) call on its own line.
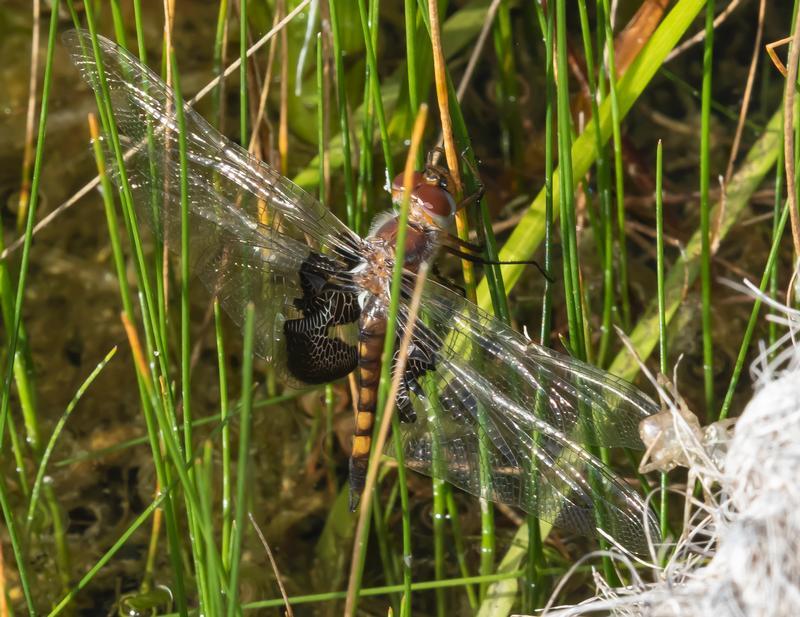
point(144, 105)
point(504, 419)
point(255, 237)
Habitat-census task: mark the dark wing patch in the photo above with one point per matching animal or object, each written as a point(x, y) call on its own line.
point(313, 354)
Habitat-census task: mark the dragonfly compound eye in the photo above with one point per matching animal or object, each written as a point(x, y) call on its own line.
point(417, 178)
point(436, 202)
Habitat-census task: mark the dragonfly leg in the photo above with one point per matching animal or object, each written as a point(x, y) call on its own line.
point(447, 282)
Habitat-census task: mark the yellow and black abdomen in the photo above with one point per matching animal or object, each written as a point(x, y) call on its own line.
point(371, 334)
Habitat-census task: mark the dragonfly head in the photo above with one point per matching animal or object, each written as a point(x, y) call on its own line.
point(431, 201)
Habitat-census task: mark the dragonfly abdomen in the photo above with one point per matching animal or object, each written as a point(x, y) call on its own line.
point(371, 334)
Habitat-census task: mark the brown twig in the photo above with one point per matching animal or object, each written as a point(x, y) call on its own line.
point(770, 47)
point(30, 120)
point(477, 52)
point(136, 349)
point(169, 22)
point(748, 91)
point(274, 565)
point(440, 77)
point(283, 124)
point(700, 36)
point(383, 430)
point(255, 134)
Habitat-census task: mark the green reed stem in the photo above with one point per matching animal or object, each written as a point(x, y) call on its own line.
point(23, 379)
point(604, 234)
point(529, 233)
point(776, 210)
point(459, 548)
point(224, 416)
point(224, 408)
point(119, 23)
point(194, 512)
point(219, 39)
point(536, 558)
point(384, 548)
point(380, 591)
point(405, 511)
point(62, 421)
point(146, 397)
point(662, 319)
point(705, 208)
point(439, 490)
point(13, 328)
point(243, 461)
point(243, 73)
point(184, 258)
point(772, 261)
point(507, 88)
point(567, 198)
point(369, 27)
point(162, 498)
point(344, 122)
point(619, 170)
point(662, 314)
point(410, 27)
point(204, 474)
point(16, 546)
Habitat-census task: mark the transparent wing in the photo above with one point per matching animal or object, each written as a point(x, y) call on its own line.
point(251, 229)
point(504, 419)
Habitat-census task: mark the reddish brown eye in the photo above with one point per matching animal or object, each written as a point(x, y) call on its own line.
point(397, 184)
point(435, 200)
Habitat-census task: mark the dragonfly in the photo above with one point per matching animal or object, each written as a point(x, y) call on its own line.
point(478, 404)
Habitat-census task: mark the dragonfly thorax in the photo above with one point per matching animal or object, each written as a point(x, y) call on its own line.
point(420, 244)
point(431, 203)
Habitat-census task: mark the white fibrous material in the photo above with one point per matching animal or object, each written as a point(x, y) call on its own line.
point(739, 553)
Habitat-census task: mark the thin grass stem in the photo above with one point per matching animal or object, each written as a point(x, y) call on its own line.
point(662, 315)
point(752, 322)
point(619, 170)
point(529, 232)
point(572, 293)
point(392, 313)
point(705, 209)
point(369, 27)
point(243, 461)
point(344, 122)
point(62, 421)
point(13, 328)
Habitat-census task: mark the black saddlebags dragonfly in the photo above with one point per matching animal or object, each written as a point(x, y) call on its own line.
point(321, 295)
